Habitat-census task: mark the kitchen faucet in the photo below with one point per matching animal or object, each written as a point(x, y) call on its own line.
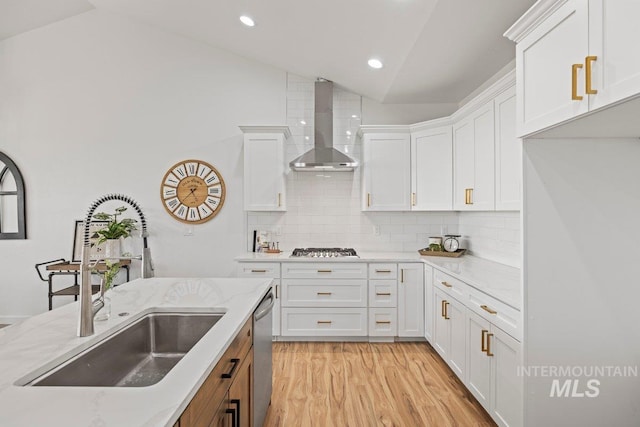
point(88, 307)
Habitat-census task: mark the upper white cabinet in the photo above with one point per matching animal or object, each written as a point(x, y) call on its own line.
point(386, 176)
point(508, 153)
point(432, 169)
point(573, 57)
point(264, 168)
point(474, 162)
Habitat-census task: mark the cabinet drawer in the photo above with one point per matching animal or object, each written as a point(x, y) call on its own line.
point(452, 286)
point(334, 270)
point(503, 316)
point(383, 322)
point(324, 293)
point(383, 293)
point(383, 271)
point(259, 269)
point(324, 322)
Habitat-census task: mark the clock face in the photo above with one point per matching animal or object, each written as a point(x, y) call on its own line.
point(451, 244)
point(192, 191)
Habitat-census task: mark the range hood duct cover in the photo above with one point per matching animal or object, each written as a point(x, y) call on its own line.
point(323, 156)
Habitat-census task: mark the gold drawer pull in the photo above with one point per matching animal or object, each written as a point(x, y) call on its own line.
point(279, 199)
point(445, 312)
point(324, 322)
point(383, 322)
point(383, 293)
point(323, 293)
point(413, 199)
point(489, 345)
point(588, 89)
point(383, 271)
point(574, 82)
point(368, 199)
point(324, 271)
point(487, 309)
point(468, 196)
point(447, 284)
point(258, 271)
point(483, 347)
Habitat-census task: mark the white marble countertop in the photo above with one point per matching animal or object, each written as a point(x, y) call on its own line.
point(499, 281)
point(51, 337)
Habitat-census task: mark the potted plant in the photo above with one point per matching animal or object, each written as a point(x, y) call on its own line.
point(113, 231)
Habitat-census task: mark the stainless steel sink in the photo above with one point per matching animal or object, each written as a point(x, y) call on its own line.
point(137, 356)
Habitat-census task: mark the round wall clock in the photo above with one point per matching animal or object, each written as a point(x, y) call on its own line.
point(192, 191)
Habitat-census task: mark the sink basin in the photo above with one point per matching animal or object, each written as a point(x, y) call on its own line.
point(137, 356)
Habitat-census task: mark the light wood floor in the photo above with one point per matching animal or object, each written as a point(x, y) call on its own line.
point(363, 384)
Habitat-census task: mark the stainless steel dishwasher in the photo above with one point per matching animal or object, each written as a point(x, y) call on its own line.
point(262, 362)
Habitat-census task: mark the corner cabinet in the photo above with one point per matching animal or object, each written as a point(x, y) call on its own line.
point(573, 57)
point(264, 167)
point(386, 175)
point(432, 169)
point(474, 161)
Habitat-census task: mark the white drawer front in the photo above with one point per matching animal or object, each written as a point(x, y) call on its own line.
point(324, 322)
point(383, 293)
point(259, 269)
point(383, 322)
point(452, 286)
point(324, 270)
point(324, 293)
point(383, 271)
point(503, 316)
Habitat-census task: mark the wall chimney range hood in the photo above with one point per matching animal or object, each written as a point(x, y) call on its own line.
point(323, 156)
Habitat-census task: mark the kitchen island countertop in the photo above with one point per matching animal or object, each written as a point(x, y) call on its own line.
point(50, 338)
point(497, 280)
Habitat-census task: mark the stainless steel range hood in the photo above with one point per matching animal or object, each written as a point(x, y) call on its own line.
point(323, 156)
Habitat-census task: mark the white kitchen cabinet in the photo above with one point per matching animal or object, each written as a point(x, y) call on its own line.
point(432, 169)
point(506, 384)
point(574, 57)
point(266, 270)
point(450, 332)
point(386, 176)
point(429, 305)
point(479, 363)
point(324, 322)
point(411, 300)
point(508, 153)
point(383, 300)
point(264, 168)
point(474, 161)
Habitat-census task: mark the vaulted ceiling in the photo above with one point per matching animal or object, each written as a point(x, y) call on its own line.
point(433, 51)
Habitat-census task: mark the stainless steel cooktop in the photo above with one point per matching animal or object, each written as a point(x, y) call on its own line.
point(324, 252)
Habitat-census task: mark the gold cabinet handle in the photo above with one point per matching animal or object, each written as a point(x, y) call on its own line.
point(383, 271)
point(279, 199)
point(489, 345)
point(574, 82)
point(383, 293)
point(258, 271)
point(483, 347)
point(446, 310)
point(277, 286)
point(413, 199)
point(324, 322)
point(324, 271)
point(447, 284)
point(487, 309)
point(442, 309)
point(383, 322)
point(588, 69)
point(323, 293)
point(368, 199)
point(468, 196)
point(402, 275)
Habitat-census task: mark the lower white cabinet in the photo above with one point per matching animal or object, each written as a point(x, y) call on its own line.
point(411, 300)
point(429, 312)
point(383, 300)
point(382, 322)
point(450, 339)
point(266, 270)
point(494, 357)
point(324, 322)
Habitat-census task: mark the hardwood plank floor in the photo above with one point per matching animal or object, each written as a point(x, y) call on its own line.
point(367, 384)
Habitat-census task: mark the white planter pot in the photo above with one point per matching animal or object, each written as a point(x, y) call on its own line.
point(112, 249)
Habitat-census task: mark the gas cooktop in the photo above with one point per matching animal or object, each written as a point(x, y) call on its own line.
point(324, 252)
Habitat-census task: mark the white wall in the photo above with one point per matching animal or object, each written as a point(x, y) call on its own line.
point(492, 235)
point(97, 104)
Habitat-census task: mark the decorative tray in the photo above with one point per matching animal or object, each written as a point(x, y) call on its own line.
point(455, 254)
point(272, 251)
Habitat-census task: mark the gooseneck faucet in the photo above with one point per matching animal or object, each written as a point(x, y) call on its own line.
point(88, 307)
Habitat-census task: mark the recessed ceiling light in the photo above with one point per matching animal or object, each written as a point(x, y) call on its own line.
point(302, 122)
point(348, 132)
point(306, 137)
point(247, 21)
point(353, 116)
point(375, 63)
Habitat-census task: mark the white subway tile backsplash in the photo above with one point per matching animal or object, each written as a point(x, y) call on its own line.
point(324, 209)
